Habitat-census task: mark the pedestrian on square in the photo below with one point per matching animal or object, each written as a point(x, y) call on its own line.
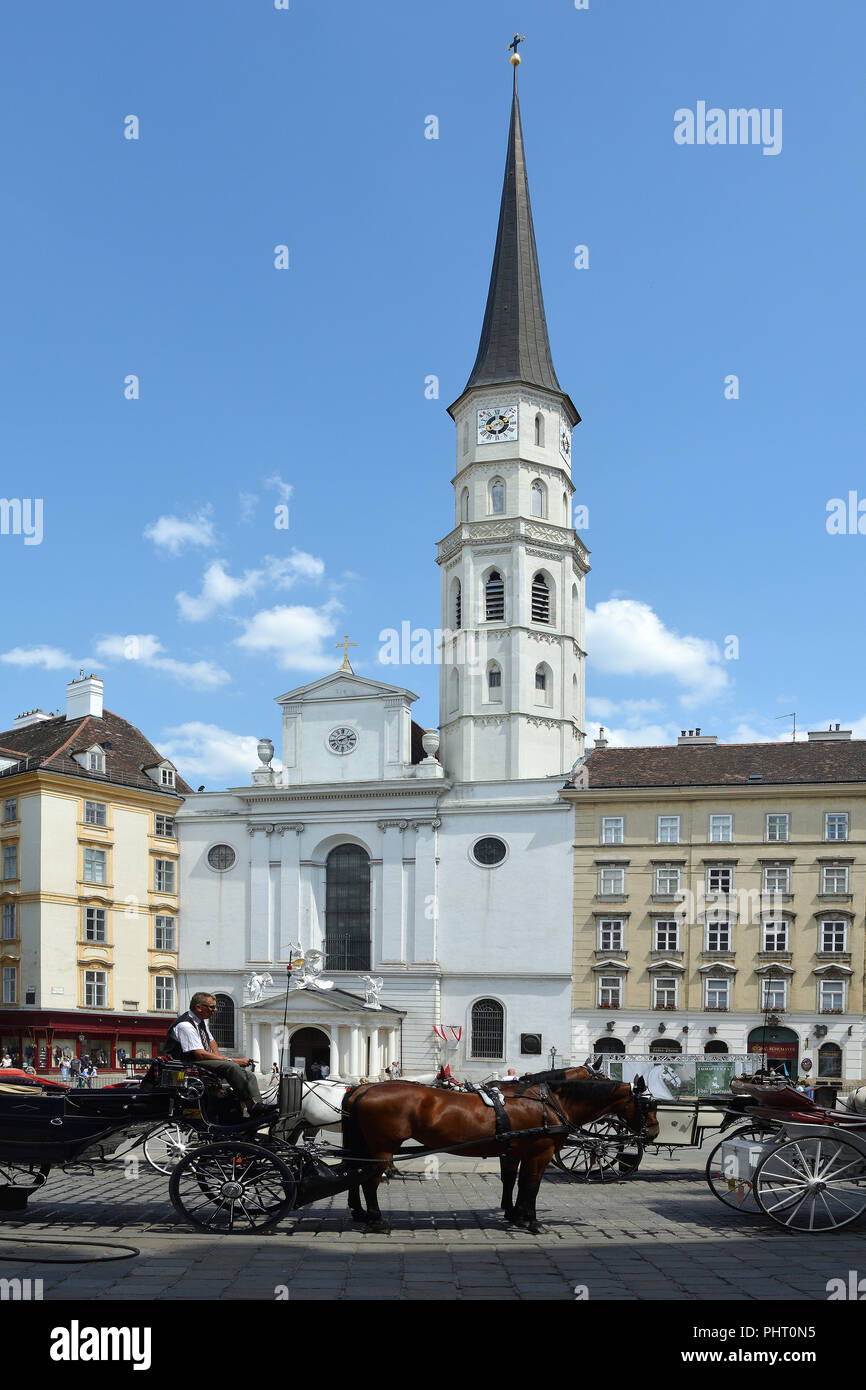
point(6, 1060)
point(64, 1068)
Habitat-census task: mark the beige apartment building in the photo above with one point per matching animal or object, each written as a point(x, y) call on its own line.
point(719, 900)
point(88, 885)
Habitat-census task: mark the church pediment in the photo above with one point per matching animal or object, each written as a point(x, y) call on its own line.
point(322, 1002)
point(344, 685)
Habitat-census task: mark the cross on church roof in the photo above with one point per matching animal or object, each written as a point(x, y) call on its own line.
point(346, 644)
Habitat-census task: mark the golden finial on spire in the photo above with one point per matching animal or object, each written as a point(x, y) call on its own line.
point(515, 56)
point(346, 644)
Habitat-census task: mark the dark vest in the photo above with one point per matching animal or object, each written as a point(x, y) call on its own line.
point(170, 1046)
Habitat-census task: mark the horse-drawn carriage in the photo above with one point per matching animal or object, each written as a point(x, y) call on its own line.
point(245, 1175)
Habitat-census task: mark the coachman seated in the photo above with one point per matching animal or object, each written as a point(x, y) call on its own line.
point(189, 1039)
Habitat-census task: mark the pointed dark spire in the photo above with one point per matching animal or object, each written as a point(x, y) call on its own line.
point(514, 344)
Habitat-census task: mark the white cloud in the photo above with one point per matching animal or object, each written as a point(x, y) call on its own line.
point(148, 651)
point(173, 534)
point(634, 736)
point(49, 658)
point(599, 707)
point(283, 490)
point(294, 635)
point(220, 590)
point(626, 638)
point(248, 502)
point(206, 750)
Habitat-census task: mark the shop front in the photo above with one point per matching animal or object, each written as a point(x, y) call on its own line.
point(44, 1040)
point(779, 1047)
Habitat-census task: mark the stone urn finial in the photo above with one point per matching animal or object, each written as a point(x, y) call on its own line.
point(430, 744)
point(265, 750)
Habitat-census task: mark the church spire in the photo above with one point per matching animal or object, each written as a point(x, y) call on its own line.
point(514, 344)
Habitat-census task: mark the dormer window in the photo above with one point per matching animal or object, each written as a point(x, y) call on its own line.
point(163, 774)
point(166, 776)
point(92, 759)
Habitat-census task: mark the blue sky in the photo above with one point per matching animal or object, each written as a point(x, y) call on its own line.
point(305, 127)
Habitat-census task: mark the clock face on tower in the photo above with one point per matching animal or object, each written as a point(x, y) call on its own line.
point(497, 424)
point(342, 740)
point(565, 443)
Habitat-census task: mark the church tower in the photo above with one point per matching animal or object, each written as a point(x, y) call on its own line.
point(513, 570)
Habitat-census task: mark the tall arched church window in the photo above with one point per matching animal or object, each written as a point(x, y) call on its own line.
point(464, 505)
point(540, 600)
point(488, 1028)
point(458, 605)
point(494, 681)
point(539, 429)
point(537, 499)
point(347, 909)
point(497, 496)
point(494, 598)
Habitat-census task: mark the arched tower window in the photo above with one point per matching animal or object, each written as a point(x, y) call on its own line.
point(494, 681)
point(464, 504)
point(539, 429)
point(347, 909)
point(540, 599)
point(454, 692)
point(458, 605)
point(488, 1028)
point(543, 684)
point(538, 499)
point(494, 598)
point(575, 612)
point(223, 1023)
point(497, 496)
point(565, 517)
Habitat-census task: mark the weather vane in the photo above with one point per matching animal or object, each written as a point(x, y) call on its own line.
point(515, 56)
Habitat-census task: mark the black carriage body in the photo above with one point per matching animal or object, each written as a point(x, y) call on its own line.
point(56, 1128)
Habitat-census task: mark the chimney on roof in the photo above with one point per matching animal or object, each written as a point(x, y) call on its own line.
point(828, 735)
point(601, 741)
point(30, 716)
point(695, 739)
point(84, 697)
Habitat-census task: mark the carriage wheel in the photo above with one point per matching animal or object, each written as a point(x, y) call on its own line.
point(166, 1144)
point(812, 1184)
point(730, 1189)
point(604, 1151)
point(232, 1188)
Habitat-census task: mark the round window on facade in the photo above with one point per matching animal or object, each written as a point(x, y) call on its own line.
point(490, 851)
point(221, 857)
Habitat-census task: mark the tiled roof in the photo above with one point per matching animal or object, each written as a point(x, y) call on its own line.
point(51, 744)
point(728, 764)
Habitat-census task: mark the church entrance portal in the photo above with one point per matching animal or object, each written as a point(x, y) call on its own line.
point(313, 1046)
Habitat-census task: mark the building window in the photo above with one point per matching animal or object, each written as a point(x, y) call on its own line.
point(165, 995)
point(667, 880)
point(541, 679)
point(610, 992)
point(667, 936)
point(95, 989)
point(347, 909)
point(494, 598)
point(830, 1061)
point(611, 934)
point(540, 600)
point(488, 1028)
point(489, 851)
point(665, 992)
point(163, 875)
point(95, 862)
point(539, 431)
point(10, 808)
point(721, 829)
point(774, 995)
point(778, 827)
point(10, 984)
point(831, 996)
point(836, 825)
point(612, 830)
point(10, 923)
point(718, 993)
point(464, 505)
point(719, 936)
point(611, 880)
point(720, 879)
point(497, 496)
point(834, 936)
point(166, 776)
point(164, 938)
point(537, 499)
point(775, 936)
point(221, 857)
point(834, 878)
point(223, 1022)
point(458, 605)
point(669, 830)
point(777, 879)
point(494, 682)
point(96, 760)
point(10, 861)
point(95, 924)
point(164, 825)
point(95, 813)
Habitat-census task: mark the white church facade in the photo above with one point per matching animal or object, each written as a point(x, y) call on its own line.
point(438, 861)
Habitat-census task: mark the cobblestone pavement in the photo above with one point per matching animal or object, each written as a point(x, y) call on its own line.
point(661, 1235)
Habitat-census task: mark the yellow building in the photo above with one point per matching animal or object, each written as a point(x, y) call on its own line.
point(717, 886)
point(88, 885)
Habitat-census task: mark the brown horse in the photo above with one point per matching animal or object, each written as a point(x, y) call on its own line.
point(379, 1117)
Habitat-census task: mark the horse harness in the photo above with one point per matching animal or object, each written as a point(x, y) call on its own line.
point(492, 1096)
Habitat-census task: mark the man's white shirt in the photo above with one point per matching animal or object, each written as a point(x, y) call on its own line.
point(186, 1033)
